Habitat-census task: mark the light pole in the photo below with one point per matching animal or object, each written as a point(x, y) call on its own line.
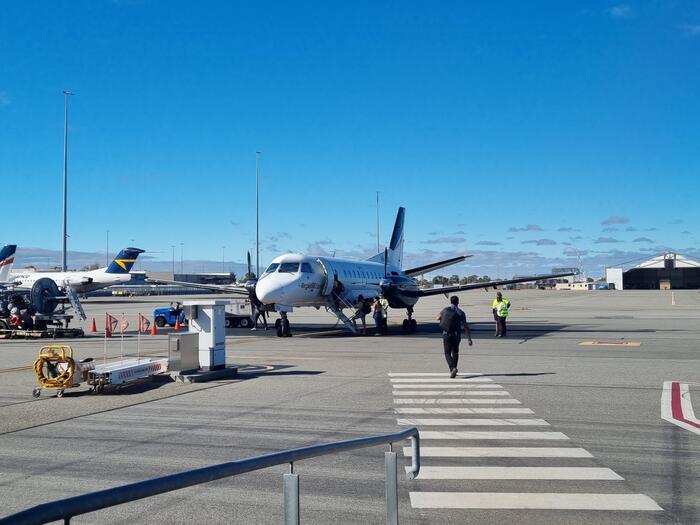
point(257, 213)
point(66, 94)
point(108, 261)
point(378, 249)
point(173, 247)
point(223, 257)
point(182, 252)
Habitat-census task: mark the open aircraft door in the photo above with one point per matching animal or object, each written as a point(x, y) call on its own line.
point(330, 276)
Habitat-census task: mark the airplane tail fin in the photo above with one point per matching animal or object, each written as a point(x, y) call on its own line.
point(7, 258)
point(395, 250)
point(123, 262)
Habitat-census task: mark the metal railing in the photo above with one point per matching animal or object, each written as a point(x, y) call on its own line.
point(65, 509)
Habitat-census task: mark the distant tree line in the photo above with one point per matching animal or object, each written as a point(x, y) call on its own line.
point(454, 279)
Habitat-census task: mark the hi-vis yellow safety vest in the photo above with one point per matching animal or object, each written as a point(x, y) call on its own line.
point(501, 307)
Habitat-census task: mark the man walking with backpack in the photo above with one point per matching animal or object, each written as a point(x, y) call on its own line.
point(453, 321)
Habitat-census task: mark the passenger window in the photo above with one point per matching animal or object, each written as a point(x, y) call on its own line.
point(289, 267)
point(306, 268)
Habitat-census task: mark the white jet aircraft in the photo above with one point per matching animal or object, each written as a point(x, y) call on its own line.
point(297, 280)
point(83, 282)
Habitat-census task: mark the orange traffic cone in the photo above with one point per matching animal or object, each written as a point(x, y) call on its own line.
point(177, 323)
point(154, 330)
point(93, 326)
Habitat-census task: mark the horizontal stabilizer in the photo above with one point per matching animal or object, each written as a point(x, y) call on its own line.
point(435, 266)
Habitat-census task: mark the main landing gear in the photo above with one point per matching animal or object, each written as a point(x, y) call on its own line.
point(410, 325)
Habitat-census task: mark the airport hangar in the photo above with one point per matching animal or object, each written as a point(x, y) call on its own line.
point(669, 271)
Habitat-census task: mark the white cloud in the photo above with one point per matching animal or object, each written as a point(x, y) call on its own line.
point(615, 219)
point(621, 11)
point(528, 228)
point(488, 243)
point(445, 240)
point(606, 240)
point(540, 242)
point(691, 29)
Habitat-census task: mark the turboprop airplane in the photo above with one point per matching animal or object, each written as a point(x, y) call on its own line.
point(297, 280)
point(83, 282)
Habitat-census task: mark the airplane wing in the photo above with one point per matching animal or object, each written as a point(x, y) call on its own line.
point(489, 284)
point(434, 266)
point(218, 288)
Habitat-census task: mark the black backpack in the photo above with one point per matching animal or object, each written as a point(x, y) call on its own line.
point(450, 320)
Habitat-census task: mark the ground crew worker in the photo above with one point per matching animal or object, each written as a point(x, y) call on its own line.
point(500, 308)
point(385, 313)
point(452, 322)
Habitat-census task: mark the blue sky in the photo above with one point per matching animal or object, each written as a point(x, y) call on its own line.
point(479, 119)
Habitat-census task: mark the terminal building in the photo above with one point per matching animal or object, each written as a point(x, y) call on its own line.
point(669, 271)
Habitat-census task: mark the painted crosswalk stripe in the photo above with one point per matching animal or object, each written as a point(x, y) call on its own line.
point(455, 401)
point(463, 410)
point(447, 387)
point(500, 452)
point(450, 393)
point(541, 473)
point(432, 374)
point(476, 379)
point(495, 434)
point(463, 422)
point(530, 500)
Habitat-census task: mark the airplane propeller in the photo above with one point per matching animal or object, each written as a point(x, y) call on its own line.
point(387, 285)
point(250, 283)
point(386, 256)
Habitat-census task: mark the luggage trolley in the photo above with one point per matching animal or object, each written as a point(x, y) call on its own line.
point(124, 371)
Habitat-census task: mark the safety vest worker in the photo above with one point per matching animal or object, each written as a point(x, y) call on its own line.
point(501, 305)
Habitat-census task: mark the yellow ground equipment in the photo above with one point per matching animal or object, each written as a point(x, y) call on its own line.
point(55, 368)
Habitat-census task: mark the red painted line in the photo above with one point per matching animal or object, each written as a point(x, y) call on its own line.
point(7, 261)
point(676, 408)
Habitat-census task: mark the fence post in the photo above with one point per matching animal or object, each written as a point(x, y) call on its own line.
point(291, 497)
point(391, 484)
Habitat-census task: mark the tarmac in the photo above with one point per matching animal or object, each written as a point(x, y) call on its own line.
point(537, 428)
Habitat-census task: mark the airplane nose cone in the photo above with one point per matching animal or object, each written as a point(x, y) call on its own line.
point(268, 291)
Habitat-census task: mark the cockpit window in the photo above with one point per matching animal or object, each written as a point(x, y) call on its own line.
point(306, 268)
point(289, 267)
point(271, 268)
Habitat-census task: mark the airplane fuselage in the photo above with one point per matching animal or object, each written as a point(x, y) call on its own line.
point(302, 280)
point(81, 282)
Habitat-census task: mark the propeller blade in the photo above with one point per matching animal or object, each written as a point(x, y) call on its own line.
point(249, 265)
point(386, 256)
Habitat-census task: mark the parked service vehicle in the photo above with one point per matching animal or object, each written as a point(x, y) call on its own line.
point(168, 315)
point(239, 313)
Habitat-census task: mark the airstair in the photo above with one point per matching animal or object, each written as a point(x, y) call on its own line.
point(75, 302)
point(336, 304)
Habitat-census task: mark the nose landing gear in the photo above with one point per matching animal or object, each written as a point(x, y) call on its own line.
point(410, 325)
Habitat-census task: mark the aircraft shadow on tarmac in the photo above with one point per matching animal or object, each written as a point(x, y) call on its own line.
point(516, 330)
